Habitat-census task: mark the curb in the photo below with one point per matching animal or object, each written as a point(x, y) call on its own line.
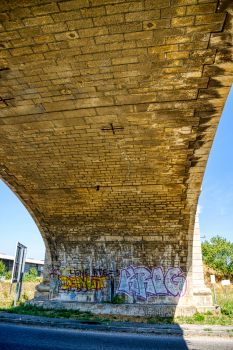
point(155, 329)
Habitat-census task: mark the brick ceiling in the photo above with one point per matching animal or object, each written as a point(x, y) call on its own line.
point(108, 111)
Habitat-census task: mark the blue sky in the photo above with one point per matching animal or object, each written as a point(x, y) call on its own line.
point(216, 199)
point(215, 202)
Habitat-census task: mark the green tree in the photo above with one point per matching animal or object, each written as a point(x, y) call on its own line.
point(2, 267)
point(218, 254)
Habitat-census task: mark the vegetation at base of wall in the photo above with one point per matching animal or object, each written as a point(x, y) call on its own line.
point(218, 254)
point(119, 320)
point(117, 300)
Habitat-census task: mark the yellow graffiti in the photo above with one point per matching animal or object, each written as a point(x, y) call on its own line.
point(88, 282)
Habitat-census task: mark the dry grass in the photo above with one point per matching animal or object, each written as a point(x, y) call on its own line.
point(218, 278)
point(6, 299)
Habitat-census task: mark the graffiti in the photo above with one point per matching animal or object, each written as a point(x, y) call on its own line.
point(81, 279)
point(78, 283)
point(54, 272)
point(145, 283)
point(83, 272)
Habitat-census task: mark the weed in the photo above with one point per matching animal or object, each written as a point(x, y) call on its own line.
point(117, 300)
point(199, 317)
point(21, 302)
point(25, 296)
point(5, 294)
point(150, 320)
point(208, 329)
point(208, 313)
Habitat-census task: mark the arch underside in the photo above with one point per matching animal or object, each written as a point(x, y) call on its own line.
point(107, 116)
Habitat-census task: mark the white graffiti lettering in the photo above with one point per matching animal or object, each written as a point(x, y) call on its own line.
point(144, 283)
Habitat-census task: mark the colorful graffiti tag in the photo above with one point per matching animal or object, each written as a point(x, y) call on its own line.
point(78, 283)
point(145, 283)
point(80, 279)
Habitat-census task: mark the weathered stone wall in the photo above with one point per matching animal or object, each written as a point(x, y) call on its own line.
point(107, 115)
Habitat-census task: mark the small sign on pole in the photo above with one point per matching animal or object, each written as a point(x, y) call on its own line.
point(212, 278)
point(18, 269)
point(226, 283)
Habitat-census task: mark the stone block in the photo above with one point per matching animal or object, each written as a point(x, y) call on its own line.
point(30, 32)
point(125, 28)
point(177, 95)
point(45, 9)
point(108, 20)
point(216, 27)
point(131, 99)
point(67, 16)
point(92, 31)
point(163, 48)
point(151, 4)
point(73, 5)
point(54, 28)
point(199, 9)
point(94, 102)
point(142, 16)
point(11, 25)
point(122, 8)
point(173, 12)
point(206, 19)
point(44, 39)
point(182, 21)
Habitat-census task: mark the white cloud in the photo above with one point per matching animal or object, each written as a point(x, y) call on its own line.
point(199, 209)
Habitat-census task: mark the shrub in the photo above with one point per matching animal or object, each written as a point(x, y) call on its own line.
point(8, 275)
point(199, 317)
point(28, 278)
point(117, 300)
point(33, 272)
point(2, 267)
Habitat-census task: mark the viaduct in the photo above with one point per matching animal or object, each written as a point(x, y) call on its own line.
point(108, 110)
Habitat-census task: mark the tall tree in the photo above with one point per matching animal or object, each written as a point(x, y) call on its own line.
point(218, 254)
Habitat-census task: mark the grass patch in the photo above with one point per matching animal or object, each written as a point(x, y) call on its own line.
point(88, 316)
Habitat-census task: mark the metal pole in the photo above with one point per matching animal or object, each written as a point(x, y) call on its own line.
point(227, 299)
point(16, 292)
point(214, 295)
point(19, 275)
point(20, 286)
point(22, 272)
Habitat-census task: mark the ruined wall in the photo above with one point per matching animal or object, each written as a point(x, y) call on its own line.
point(108, 111)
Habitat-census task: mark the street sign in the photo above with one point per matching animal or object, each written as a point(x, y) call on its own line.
point(226, 282)
point(212, 278)
point(18, 268)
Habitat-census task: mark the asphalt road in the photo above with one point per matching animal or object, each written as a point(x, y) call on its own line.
point(19, 337)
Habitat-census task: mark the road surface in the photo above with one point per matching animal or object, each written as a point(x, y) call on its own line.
point(20, 337)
